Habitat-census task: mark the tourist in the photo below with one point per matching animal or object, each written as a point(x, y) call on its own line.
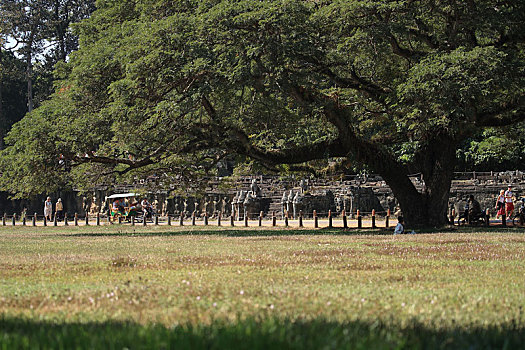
point(509, 202)
point(147, 208)
point(399, 227)
point(500, 203)
point(59, 209)
point(464, 215)
point(118, 206)
point(48, 209)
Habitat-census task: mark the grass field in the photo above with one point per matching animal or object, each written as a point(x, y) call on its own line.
point(167, 287)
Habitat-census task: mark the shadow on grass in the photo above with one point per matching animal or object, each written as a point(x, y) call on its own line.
point(16, 333)
point(231, 232)
point(246, 232)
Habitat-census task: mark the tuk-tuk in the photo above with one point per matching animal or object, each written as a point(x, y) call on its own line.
point(124, 205)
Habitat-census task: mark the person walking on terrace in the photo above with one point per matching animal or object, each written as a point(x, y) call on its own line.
point(500, 204)
point(48, 209)
point(59, 210)
point(509, 202)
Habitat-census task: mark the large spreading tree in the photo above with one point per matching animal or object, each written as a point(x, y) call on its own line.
point(173, 87)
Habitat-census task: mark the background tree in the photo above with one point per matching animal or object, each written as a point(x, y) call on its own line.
point(12, 97)
point(26, 20)
point(174, 87)
point(38, 32)
point(12, 93)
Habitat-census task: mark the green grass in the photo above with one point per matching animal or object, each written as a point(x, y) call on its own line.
point(166, 287)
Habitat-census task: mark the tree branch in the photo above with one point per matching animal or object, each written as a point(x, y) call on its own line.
point(502, 117)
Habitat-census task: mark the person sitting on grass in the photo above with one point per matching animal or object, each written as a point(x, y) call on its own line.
point(400, 228)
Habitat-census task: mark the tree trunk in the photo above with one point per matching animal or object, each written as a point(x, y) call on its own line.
point(29, 74)
point(427, 207)
point(59, 29)
point(2, 116)
point(423, 210)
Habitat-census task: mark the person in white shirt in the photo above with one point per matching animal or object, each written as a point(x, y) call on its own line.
point(48, 209)
point(509, 202)
point(500, 203)
point(399, 227)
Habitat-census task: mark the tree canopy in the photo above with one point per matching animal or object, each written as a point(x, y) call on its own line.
point(174, 87)
point(37, 33)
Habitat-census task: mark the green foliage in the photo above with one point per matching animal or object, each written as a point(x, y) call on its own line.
point(12, 85)
point(173, 88)
point(447, 90)
point(494, 150)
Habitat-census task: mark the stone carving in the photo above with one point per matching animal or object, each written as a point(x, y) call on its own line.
point(214, 212)
point(289, 201)
point(234, 204)
point(165, 207)
point(156, 205)
point(85, 204)
point(224, 206)
point(206, 205)
point(304, 186)
point(296, 202)
point(248, 203)
point(240, 203)
point(93, 209)
point(338, 203)
point(255, 190)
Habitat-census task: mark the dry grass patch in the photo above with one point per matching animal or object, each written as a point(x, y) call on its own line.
point(440, 280)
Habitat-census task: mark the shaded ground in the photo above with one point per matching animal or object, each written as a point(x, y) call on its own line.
point(251, 334)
